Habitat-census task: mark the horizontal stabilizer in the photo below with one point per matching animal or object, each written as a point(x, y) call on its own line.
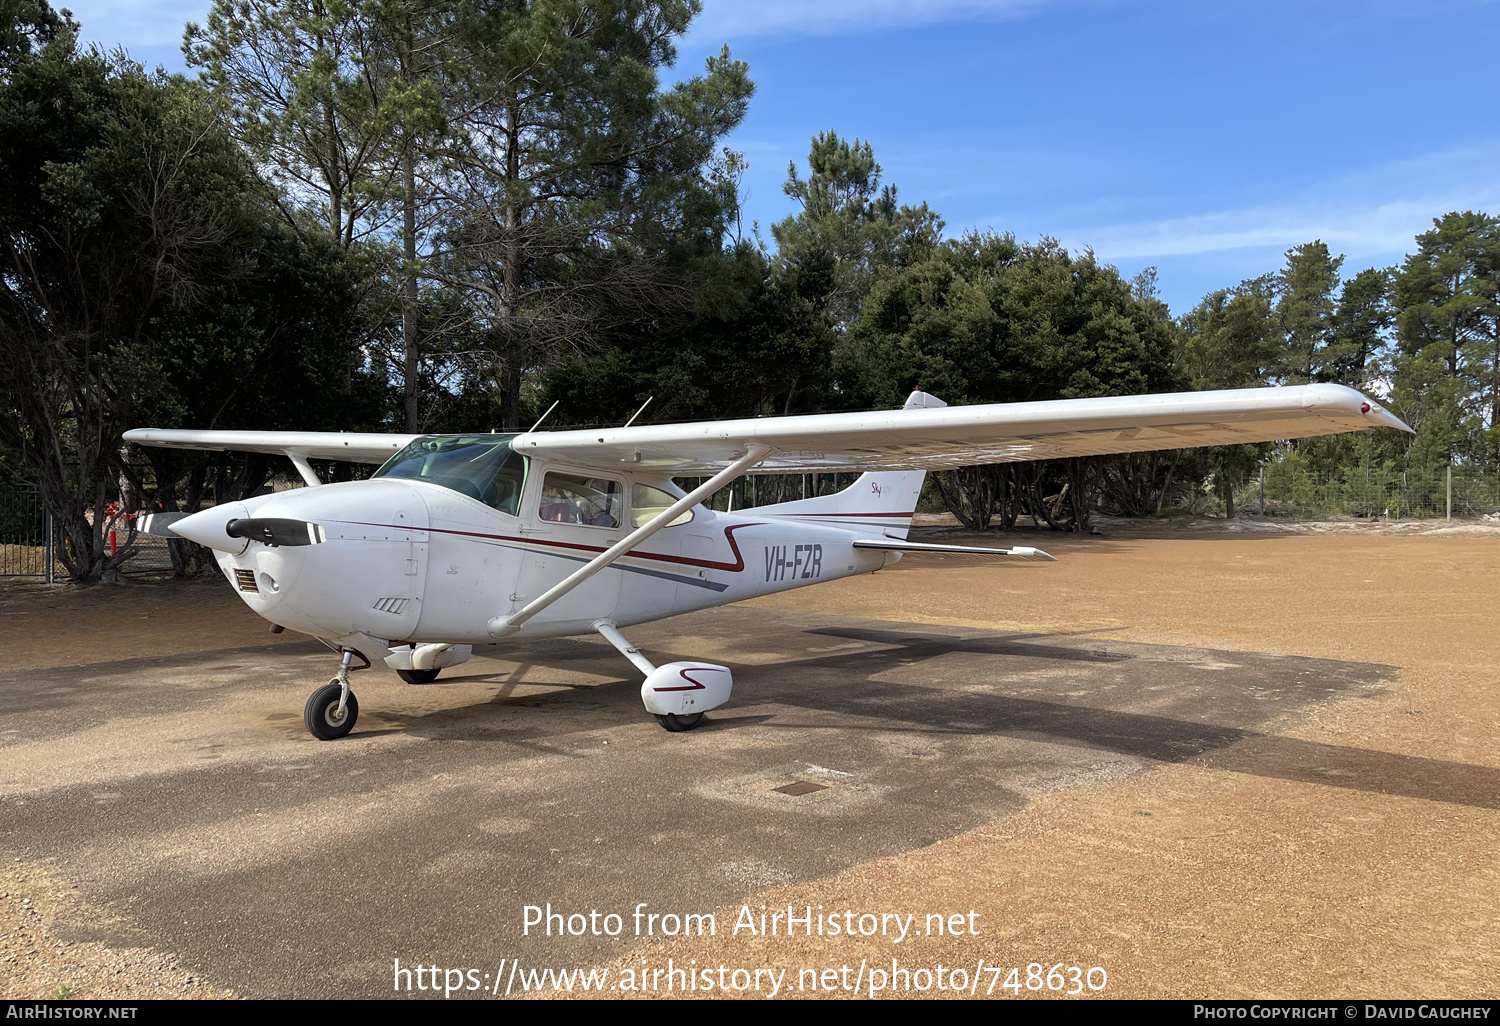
point(1019, 552)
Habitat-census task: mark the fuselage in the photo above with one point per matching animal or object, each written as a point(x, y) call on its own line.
point(410, 561)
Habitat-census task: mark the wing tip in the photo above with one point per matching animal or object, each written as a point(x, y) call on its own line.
point(1329, 394)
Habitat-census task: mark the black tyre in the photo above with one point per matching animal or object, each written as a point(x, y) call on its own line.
point(676, 723)
point(418, 676)
point(322, 713)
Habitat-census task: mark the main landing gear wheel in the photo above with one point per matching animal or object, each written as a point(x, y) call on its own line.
point(322, 716)
point(418, 676)
point(676, 723)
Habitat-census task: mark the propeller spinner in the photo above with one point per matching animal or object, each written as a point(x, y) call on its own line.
point(229, 528)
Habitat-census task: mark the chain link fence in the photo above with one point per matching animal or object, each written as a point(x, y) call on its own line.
point(27, 540)
point(149, 553)
point(1282, 489)
point(1287, 489)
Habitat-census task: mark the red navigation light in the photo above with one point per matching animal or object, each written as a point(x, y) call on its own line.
point(1364, 407)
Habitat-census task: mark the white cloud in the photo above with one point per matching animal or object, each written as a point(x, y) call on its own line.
point(1374, 212)
point(738, 19)
point(1377, 229)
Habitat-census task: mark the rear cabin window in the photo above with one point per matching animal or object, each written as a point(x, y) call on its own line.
point(647, 502)
point(574, 499)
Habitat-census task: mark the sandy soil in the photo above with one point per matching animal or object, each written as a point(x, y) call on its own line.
point(1183, 881)
point(1186, 881)
point(36, 964)
point(65, 625)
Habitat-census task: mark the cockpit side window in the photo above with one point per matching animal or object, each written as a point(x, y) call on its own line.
point(575, 499)
point(483, 467)
point(647, 502)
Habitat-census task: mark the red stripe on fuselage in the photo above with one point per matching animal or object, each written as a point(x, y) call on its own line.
point(708, 564)
point(831, 513)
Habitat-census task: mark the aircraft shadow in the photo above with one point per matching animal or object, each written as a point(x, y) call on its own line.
point(847, 697)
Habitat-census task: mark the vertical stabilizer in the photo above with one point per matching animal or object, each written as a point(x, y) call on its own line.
point(878, 503)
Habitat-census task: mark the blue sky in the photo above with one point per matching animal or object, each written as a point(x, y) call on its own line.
point(1204, 137)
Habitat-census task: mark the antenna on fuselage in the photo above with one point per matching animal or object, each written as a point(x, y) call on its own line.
point(544, 416)
point(637, 413)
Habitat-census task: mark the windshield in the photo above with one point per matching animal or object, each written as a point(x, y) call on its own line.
point(483, 467)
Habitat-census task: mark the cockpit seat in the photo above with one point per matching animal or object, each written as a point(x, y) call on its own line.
point(558, 512)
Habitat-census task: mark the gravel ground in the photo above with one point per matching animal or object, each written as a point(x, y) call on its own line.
point(1232, 878)
point(1356, 855)
point(35, 965)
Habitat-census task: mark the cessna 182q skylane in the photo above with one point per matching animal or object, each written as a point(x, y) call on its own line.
point(465, 539)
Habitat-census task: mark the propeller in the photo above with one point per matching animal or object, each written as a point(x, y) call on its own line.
point(276, 531)
point(159, 524)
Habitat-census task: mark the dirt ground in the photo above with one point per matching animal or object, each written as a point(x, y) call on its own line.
point(67, 626)
point(1186, 880)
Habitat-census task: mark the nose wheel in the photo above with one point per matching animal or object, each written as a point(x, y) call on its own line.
point(332, 710)
point(325, 720)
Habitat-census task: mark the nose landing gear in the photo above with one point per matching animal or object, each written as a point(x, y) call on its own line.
point(332, 709)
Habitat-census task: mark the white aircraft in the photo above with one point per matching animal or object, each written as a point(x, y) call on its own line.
point(465, 539)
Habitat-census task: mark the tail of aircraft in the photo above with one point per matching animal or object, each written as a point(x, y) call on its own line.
point(879, 504)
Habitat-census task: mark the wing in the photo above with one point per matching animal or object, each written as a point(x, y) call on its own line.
point(320, 445)
point(958, 436)
point(910, 439)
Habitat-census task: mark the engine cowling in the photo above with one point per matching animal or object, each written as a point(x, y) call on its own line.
point(685, 688)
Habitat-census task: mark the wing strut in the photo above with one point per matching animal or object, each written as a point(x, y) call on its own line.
point(304, 468)
point(504, 626)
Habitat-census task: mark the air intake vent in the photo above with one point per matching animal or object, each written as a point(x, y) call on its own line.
point(396, 606)
point(246, 580)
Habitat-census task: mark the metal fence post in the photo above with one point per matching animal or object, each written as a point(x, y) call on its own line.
point(47, 546)
point(1450, 492)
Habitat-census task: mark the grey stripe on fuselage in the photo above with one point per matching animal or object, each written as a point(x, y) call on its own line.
point(696, 582)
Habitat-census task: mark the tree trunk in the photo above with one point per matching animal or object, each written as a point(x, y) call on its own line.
point(1035, 502)
point(510, 281)
point(969, 494)
point(1167, 485)
point(1079, 471)
point(1009, 502)
point(409, 286)
point(509, 380)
